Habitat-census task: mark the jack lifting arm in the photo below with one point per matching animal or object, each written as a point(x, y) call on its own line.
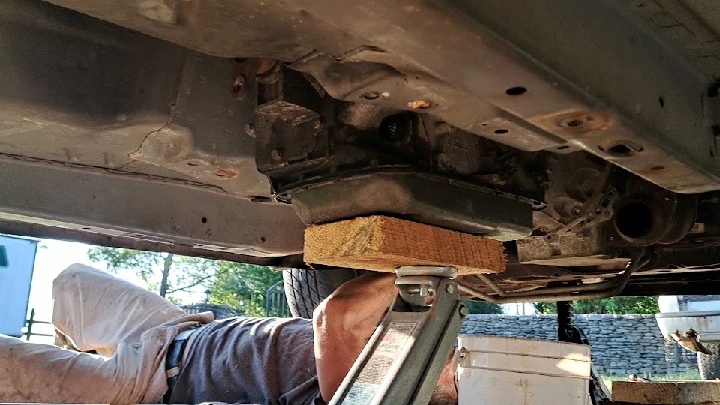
point(403, 360)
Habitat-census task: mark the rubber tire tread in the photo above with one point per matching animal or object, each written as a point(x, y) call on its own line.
point(306, 288)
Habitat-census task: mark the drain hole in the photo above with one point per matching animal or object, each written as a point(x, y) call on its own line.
point(515, 91)
point(621, 149)
point(370, 95)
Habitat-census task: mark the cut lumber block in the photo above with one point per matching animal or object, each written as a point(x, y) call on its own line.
point(666, 392)
point(383, 244)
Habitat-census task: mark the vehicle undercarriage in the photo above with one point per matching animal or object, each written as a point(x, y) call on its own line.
point(582, 134)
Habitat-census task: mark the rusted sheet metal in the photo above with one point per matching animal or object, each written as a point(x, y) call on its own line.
point(499, 60)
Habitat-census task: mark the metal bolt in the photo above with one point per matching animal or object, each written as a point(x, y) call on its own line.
point(238, 85)
point(463, 310)
point(276, 154)
point(450, 288)
point(250, 129)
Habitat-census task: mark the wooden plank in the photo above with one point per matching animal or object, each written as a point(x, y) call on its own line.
point(667, 392)
point(383, 244)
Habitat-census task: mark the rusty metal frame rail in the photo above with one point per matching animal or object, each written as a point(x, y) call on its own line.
point(604, 289)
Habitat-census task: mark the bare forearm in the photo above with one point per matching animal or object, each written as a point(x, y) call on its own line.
point(344, 322)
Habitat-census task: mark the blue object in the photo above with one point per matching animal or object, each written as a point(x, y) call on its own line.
point(16, 272)
point(3, 256)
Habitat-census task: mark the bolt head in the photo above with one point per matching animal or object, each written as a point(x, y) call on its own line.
point(276, 154)
point(463, 310)
point(238, 87)
point(450, 288)
point(250, 129)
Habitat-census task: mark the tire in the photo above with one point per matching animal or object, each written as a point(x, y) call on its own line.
point(709, 364)
point(305, 289)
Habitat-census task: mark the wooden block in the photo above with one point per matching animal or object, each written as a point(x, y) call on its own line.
point(667, 392)
point(383, 244)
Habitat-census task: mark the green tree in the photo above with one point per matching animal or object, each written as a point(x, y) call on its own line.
point(243, 286)
point(239, 286)
point(614, 305)
point(482, 307)
point(165, 273)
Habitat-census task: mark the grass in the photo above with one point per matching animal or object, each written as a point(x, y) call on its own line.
point(690, 375)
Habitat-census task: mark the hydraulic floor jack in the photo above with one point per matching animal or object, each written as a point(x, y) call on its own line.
point(402, 362)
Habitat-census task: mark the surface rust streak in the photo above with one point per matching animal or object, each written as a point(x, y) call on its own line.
point(109, 170)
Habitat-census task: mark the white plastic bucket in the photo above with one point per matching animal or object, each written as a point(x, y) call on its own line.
point(510, 371)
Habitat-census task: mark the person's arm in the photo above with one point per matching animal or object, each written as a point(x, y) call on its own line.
point(344, 322)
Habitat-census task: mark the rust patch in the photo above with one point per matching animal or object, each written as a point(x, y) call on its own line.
point(420, 104)
point(244, 69)
point(583, 122)
point(264, 65)
point(225, 173)
point(577, 122)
